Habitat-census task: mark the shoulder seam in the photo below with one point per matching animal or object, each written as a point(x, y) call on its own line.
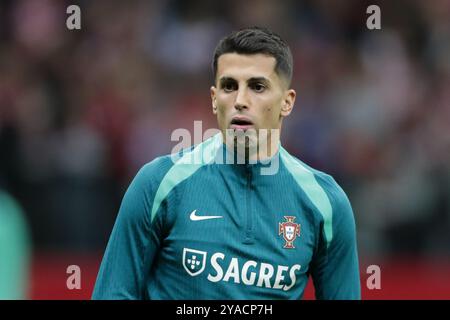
point(185, 167)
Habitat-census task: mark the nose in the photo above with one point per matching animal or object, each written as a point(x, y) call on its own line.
point(241, 101)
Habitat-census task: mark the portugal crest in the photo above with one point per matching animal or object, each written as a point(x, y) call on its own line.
point(290, 230)
point(194, 261)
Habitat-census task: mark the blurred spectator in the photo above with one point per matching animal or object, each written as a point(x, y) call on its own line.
point(14, 250)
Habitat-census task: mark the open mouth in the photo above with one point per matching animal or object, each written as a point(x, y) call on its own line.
point(241, 123)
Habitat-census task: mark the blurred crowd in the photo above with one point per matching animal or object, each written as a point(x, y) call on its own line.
point(82, 110)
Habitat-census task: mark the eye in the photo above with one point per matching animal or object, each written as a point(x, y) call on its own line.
point(258, 87)
point(229, 86)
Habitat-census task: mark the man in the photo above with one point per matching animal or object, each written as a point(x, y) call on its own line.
point(215, 229)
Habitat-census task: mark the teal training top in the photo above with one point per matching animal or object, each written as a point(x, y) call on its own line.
point(195, 227)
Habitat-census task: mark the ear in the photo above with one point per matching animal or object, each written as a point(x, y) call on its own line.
point(288, 102)
point(213, 99)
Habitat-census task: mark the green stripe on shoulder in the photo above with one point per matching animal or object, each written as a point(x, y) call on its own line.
point(307, 181)
point(185, 167)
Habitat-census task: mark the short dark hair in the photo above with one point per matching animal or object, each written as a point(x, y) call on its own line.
point(257, 40)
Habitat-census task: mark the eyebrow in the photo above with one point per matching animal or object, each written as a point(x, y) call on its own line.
point(251, 80)
point(258, 79)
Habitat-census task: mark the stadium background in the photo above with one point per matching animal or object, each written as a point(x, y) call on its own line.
point(82, 111)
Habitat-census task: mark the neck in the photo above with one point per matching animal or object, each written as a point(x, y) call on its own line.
point(254, 149)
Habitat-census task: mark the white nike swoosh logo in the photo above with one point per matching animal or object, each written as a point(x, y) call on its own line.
point(194, 217)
